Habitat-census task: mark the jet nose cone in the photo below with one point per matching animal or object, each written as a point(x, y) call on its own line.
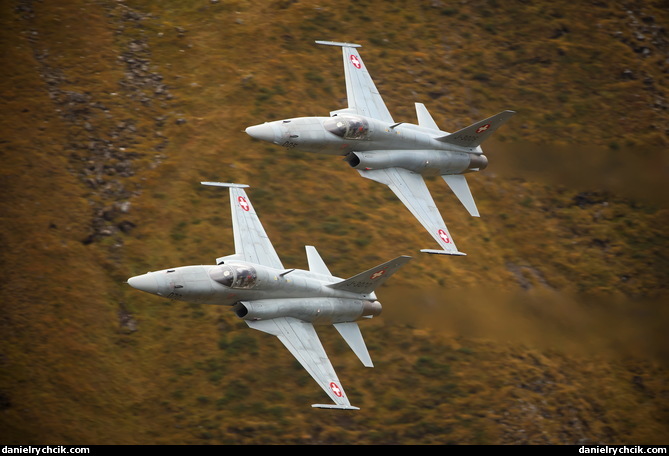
point(264, 132)
point(144, 282)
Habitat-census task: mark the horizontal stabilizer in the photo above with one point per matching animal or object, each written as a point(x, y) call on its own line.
point(473, 135)
point(424, 117)
point(459, 186)
point(316, 263)
point(367, 281)
point(443, 252)
point(333, 406)
point(350, 331)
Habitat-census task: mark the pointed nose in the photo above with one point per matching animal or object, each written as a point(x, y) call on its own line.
point(145, 282)
point(264, 132)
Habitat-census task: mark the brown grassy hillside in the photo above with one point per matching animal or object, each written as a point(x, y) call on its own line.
point(551, 330)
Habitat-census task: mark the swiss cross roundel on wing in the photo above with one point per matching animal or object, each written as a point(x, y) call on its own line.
point(356, 61)
point(243, 203)
point(336, 389)
point(444, 237)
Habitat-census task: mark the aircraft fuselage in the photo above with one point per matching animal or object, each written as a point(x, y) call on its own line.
point(260, 292)
point(369, 143)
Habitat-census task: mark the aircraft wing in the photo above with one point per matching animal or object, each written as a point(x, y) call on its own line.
point(363, 97)
point(302, 340)
point(251, 242)
point(411, 189)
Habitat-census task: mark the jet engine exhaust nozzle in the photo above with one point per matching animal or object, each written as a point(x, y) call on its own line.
point(479, 162)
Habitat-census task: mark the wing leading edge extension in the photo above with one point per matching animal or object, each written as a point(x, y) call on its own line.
point(411, 189)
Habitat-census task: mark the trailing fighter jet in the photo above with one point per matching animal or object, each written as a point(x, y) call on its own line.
point(286, 303)
point(397, 154)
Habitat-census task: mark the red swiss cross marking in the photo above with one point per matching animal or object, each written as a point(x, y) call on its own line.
point(377, 274)
point(336, 390)
point(243, 203)
point(482, 128)
point(356, 62)
point(444, 236)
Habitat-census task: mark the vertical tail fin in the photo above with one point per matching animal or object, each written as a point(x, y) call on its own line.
point(368, 281)
point(473, 135)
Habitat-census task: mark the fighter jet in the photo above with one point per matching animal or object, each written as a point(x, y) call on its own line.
point(398, 154)
point(286, 303)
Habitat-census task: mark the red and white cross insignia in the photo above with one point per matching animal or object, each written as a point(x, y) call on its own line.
point(482, 128)
point(336, 390)
point(243, 203)
point(377, 274)
point(444, 236)
point(356, 62)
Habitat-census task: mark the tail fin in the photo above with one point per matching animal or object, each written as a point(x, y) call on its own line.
point(368, 281)
point(473, 135)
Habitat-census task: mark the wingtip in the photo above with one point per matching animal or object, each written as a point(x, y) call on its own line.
point(443, 252)
point(337, 43)
point(335, 406)
point(224, 184)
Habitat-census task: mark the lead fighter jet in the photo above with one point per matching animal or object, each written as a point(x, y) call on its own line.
point(283, 302)
point(397, 154)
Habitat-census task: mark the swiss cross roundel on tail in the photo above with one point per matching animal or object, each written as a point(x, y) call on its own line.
point(482, 128)
point(356, 61)
point(378, 274)
point(243, 203)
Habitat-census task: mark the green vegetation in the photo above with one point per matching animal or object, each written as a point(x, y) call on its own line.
point(551, 330)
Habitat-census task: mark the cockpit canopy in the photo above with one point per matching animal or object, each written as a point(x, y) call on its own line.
point(347, 127)
point(234, 275)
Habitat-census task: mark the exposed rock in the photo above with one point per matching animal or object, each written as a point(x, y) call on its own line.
point(527, 276)
point(127, 322)
point(103, 155)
